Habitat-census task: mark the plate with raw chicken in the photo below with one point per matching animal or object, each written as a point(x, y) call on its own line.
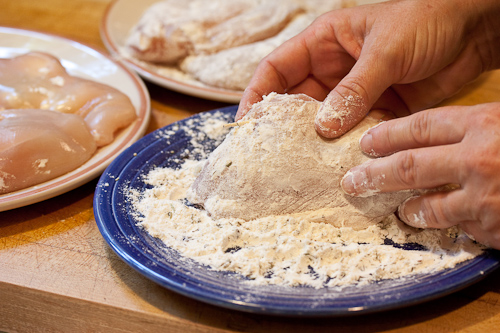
point(207, 49)
point(66, 111)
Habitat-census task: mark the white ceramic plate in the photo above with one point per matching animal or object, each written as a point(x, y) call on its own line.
point(119, 18)
point(82, 61)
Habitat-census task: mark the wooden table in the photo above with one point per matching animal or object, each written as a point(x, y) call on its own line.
point(58, 274)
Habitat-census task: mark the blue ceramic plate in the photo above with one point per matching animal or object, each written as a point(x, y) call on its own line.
point(165, 266)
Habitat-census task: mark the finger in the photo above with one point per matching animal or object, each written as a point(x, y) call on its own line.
point(437, 210)
point(250, 97)
point(475, 231)
point(285, 67)
point(410, 169)
point(265, 80)
point(427, 128)
point(442, 210)
point(354, 96)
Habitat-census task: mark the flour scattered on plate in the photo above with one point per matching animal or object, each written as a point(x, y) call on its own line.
point(288, 250)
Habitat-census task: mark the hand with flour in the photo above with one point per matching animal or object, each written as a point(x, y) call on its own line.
point(403, 57)
point(456, 145)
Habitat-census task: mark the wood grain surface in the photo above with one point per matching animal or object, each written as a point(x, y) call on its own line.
point(58, 275)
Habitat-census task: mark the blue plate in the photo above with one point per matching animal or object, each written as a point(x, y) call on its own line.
point(150, 257)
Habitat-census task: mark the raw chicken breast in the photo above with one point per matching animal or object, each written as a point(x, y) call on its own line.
point(38, 81)
point(39, 145)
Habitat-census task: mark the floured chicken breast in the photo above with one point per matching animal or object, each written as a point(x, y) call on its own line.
point(218, 43)
point(233, 68)
point(263, 21)
point(38, 81)
point(39, 145)
point(275, 163)
point(170, 30)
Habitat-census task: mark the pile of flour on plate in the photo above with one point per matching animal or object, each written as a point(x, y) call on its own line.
point(288, 250)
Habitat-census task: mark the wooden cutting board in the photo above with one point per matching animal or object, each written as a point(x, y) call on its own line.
point(58, 275)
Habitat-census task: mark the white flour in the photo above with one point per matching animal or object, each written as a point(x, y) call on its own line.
point(286, 250)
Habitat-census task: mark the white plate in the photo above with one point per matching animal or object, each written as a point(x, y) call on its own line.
point(82, 61)
point(119, 18)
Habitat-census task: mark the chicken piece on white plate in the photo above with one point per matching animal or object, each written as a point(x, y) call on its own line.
point(39, 145)
point(37, 80)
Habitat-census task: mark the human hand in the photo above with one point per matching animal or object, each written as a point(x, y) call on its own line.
point(448, 145)
point(401, 56)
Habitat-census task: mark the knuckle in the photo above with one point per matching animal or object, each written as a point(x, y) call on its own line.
point(420, 128)
point(405, 169)
point(484, 119)
point(353, 92)
point(481, 163)
point(267, 68)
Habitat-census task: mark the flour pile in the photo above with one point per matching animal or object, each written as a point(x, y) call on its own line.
point(286, 249)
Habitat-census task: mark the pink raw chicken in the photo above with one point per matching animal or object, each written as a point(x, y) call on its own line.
point(39, 145)
point(38, 81)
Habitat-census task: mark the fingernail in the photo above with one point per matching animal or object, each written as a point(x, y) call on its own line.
point(366, 142)
point(328, 122)
point(410, 213)
point(347, 184)
point(355, 183)
point(333, 113)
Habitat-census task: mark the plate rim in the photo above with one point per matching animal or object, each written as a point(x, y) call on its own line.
point(105, 222)
point(86, 172)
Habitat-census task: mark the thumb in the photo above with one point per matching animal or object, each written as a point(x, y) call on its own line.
point(351, 100)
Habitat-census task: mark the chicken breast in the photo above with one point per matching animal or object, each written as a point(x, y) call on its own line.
point(39, 145)
point(233, 68)
point(38, 81)
point(275, 163)
point(170, 30)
